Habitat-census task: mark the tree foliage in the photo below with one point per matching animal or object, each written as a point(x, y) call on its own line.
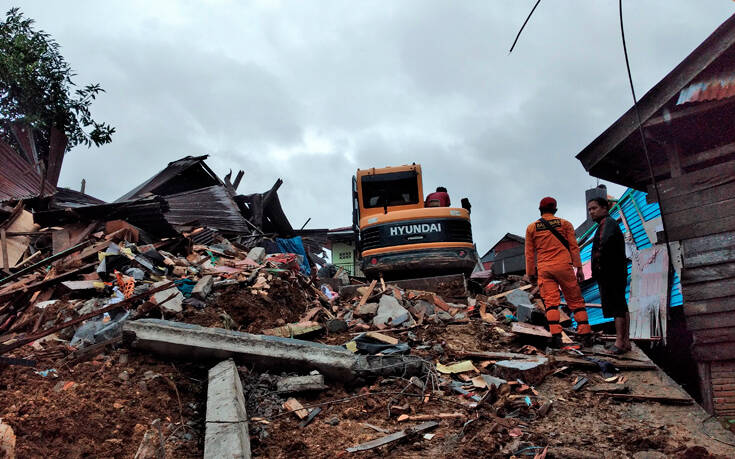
point(36, 88)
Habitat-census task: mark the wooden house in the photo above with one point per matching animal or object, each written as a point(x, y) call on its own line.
point(688, 120)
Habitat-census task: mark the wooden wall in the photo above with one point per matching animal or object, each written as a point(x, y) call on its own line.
point(699, 210)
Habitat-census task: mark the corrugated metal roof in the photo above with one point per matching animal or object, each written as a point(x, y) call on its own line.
point(212, 207)
point(633, 204)
point(156, 183)
point(714, 89)
point(66, 197)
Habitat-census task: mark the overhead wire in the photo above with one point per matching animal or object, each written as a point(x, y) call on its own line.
point(640, 131)
point(518, 35)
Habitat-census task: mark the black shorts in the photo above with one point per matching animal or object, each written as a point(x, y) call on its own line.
point(612, 297)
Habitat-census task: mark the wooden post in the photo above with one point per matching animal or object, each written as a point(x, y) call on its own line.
point(6, 264)
point(705, 386)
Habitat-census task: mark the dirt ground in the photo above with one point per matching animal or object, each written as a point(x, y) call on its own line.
point(579, 424)
point(102, 408)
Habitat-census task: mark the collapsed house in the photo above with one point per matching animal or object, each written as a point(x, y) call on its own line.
point(690, 141)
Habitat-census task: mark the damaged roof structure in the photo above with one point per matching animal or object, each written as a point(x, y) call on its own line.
point(690, 139)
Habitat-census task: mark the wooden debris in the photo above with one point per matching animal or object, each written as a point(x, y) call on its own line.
point(486, 316)
point(367, 293)
point(292, 330)
point(382, 338)
point(528, 329)
point(393, 437)
point(296, 407)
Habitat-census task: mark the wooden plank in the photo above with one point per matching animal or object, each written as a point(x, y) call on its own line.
point(714, 335)
point(710, 352)
point(294, 405)
point(706, 226)
point(82, 318)
point(699, 198)
point(367, 293)
point(697, 214)
point(382, 338)
point(528, 329)
point(708, 321)
point(4, 240)
point(707, 290)
point(709, 273)
point(696, 181)
point(727, 365)
point(705, 386)
point(711, 257)
point(694, 308)
point(47, 282)
point(691, 247)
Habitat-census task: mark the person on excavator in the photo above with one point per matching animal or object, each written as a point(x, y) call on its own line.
point(552, 254)
point(439, 198)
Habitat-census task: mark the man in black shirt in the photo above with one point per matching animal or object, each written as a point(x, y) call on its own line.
point(610, 270)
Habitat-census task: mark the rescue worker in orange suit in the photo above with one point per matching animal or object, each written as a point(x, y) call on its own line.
point(439, 198)
point(552, 254)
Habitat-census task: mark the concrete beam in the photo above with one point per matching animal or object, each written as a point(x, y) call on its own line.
point(187, 342)
point(226, 432)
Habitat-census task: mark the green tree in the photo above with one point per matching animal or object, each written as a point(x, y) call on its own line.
point(36, 88)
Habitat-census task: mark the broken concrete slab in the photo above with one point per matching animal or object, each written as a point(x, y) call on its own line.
point(531, 371)
point(367, 309)
point(519, 297)
point(391, 311)
point(257, 254)
point(174, 305)
point(292, 384)
point(203, 287)
point(185, 341)
point(226, 433)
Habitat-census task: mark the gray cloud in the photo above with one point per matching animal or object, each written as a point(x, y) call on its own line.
point(310, 91)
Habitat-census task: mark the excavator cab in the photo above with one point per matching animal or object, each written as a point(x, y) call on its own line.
point(398, 237)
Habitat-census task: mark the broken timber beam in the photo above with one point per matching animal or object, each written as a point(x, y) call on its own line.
point(226, 433)
point(44, 262)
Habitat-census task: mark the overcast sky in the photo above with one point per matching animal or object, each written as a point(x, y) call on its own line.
point(309, 91)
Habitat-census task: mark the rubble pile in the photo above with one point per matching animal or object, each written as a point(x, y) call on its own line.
point(129, 330)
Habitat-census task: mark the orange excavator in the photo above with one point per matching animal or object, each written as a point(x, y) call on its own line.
point(400, 238)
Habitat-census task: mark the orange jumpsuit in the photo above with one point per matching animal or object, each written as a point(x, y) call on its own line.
point(555, 270)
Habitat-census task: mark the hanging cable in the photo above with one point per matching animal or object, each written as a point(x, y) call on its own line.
point(643, 137)
point(523, 26)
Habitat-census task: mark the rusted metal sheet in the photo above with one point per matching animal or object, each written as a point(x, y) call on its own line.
point(714, 89)
point(18, 178)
